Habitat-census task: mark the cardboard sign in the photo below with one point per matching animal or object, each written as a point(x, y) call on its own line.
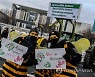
point(12, 51)
point(50, 58)
point(64, 10)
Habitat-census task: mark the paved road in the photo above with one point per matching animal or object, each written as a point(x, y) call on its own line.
point(85, 72)
point(82, 72)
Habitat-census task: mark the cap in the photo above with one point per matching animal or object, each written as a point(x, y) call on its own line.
point(34, 30)
point(55, 33)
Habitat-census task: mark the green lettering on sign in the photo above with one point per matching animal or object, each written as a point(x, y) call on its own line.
point(47, 65)
point(40, 56)
point(77, 6)
point(1, 52)
point(10, 46)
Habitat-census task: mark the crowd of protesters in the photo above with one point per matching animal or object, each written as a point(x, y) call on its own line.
point(33, 41)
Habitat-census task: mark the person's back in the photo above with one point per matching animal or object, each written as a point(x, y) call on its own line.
point(42, 42)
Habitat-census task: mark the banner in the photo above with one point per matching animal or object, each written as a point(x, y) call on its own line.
point(64, 10)
point(50, 58)
point(12, 51)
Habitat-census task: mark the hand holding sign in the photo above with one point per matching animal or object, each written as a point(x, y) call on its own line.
point(50, 58)
point(12, 51)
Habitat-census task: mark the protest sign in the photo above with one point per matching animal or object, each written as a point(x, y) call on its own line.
point(50, 58)
point(64, 10)
point(12, 51)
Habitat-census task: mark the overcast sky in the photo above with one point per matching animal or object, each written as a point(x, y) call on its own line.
point(87, 10)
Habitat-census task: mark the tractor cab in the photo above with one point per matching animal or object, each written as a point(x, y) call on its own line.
point(68, 36)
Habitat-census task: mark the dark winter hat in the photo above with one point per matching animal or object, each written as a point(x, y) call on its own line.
point(34, 30)
point(55, 33)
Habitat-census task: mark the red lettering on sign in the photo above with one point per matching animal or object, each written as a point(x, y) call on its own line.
point(60, 63)
point(18, 59)
point(49, 54)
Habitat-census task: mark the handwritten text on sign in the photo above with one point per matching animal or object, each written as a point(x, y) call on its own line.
point(50, 58)
point(12, 51)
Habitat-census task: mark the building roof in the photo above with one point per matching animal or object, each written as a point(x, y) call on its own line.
point(17, 6)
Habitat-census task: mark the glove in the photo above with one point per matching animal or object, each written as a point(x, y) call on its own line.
point(35, 62)
point(67, 57)
point(29, 59)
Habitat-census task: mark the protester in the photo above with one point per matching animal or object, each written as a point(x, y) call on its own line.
point(41, 41)
point(72, 56)
point(11, 69)
point(55, 42)
point(53, 39)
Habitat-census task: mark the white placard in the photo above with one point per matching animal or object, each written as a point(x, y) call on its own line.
point(64, 10)
point(50, 58)
point(12, 51)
